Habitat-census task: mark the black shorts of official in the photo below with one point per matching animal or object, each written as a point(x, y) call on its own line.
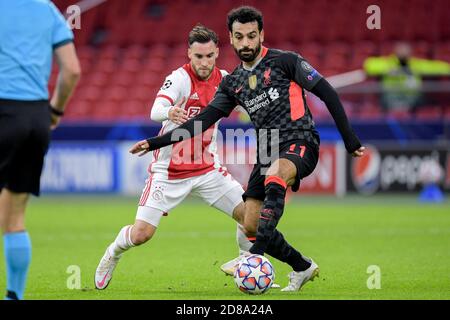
point(303, 154)
point(24, 140)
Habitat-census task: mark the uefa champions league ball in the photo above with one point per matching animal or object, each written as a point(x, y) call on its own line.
point(254, 274)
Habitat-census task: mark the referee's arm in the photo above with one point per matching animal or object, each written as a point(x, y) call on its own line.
point(68, 76)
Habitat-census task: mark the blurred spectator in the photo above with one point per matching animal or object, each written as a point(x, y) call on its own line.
point(401, 77)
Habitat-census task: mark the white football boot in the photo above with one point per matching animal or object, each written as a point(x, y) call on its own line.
point(229, 267)
point(105, 269)
point(298, 279)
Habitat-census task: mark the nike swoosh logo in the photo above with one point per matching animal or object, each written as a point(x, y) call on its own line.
point(238, 90)
point(101, 283)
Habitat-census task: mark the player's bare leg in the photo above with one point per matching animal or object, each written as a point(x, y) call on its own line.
point(252, 210)
point(239, 213)
point(12, 211)
point(142, 232)
point(128, 237)
point(243, 238)
point(17, 243)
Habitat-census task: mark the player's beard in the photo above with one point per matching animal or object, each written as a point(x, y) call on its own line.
point(250, 54)
point(205, 73)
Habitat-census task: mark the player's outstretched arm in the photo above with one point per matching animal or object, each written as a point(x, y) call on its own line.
point(142, 147)
point(162, 110)
point(187, 130)
point(329, 96)
point(359, 152)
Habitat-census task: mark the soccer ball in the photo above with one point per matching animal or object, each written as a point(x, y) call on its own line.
point(254, 274)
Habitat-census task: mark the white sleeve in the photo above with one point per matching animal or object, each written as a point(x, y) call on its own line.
point(172, 90)
point(173, 87)
point(160, 110)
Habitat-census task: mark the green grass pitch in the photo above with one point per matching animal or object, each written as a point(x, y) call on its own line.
point(408, 241)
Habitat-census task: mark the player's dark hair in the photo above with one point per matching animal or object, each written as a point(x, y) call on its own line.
point(245, 14)
point(202, 34)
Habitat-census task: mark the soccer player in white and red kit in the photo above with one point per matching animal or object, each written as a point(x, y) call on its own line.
point(188, 167)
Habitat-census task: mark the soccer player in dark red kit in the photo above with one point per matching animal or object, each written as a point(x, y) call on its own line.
point(270, 85)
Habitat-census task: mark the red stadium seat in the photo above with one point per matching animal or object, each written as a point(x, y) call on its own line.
point(116, 93)
point(123, 78)
point(106, 110)
point(77, 109)
point(135, 51)
point(98, 79)
point(86, 52)
point(447, 112)
point(107, 66)
point(110, 52)
point(149, 79)
point(136, 109)
point(154, 65)
point(159, 51)
point(369, 110)
point(442, 51)
point(429, 113)
point(402, 114)
point(131, 65)
point(142, 93)
point(88, 93)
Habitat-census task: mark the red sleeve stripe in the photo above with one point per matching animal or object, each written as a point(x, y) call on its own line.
point(296, 101)
point(166, 97)
point(264, 51)
point(146, 192)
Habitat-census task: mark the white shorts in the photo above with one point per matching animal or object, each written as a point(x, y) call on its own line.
point(160, 195)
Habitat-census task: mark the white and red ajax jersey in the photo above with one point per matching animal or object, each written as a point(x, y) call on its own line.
point(198, 155)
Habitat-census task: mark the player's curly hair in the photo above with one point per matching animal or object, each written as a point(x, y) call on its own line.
point(245, 14)
point(202, 34)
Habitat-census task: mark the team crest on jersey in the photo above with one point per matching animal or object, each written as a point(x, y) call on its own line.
point(267, 80)
point(252, 81)
point(306, 66)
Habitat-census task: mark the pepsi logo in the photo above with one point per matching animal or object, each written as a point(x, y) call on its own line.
point(365, 171)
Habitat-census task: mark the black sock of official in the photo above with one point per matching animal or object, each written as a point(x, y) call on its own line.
point(271, 213)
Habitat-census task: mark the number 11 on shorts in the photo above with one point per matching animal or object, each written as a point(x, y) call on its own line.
point(297, 150)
